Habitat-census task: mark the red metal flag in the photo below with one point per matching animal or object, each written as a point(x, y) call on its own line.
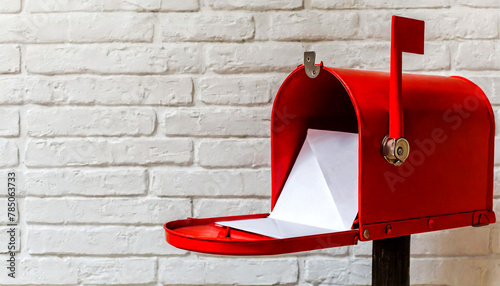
point(407, 36)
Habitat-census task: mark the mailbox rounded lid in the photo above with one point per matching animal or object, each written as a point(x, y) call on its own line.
point(448, 122)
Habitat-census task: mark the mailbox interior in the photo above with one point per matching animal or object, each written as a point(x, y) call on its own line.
point(322, 103)
point(301, 104)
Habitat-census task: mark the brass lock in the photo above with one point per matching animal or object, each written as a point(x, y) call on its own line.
point(395, 151)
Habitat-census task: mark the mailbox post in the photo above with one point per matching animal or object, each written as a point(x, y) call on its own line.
point(391, 261)
point(429, 170)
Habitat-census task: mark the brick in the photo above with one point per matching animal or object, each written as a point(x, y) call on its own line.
point(332, 251)
point(179, 5)
point(110, 27)
point(112, 59)
point(495, 240)
point(234, 153)
point(47, 90)
point(131, 5)
point(374, 25)
point(436, 57)
point(119, 90)
point(211, 183)
point(34, 28)
point(9, 122)
point(106, 211)
point(218, 122)
point(10, 239)
point(496, 113)
point(248, 271)
point(483, 55)
point(493, 273)
point(228, 207)
point(94, 182)
point(42, 271)
point(94, 121)
point(257, 182)
point(10, 59)
point(496, 205)
point(256, 5)
point(350, 55)
point(262, 26)
point(9, 154)
point(10, 6)
point(481, 25)
point(12, 90)
point(99, 152)
point(444, 24)
point(239, 90)
point(333, 271)
point(480, 3)
point(494, 95)
point(206, 27)
point(182, 58)
point(497, 151)
point(110, 271)
point(254, 57)
point(363, 249)
point(455, 242)
point(377, 56)
point(356, 4)
point(452, 271)
point(44, 6)
point(98, 240)
point(313, 26)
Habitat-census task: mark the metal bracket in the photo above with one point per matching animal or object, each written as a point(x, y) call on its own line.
point(480, 218)
point(312, 70)
point(395, 151)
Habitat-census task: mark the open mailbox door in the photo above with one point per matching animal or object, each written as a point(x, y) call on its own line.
point(315, 209)
point(316, 205)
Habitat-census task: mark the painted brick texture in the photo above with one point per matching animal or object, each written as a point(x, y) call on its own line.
point(119, 115)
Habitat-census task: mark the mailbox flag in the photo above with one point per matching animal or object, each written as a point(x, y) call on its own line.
point(408, 35)
point(321, 192)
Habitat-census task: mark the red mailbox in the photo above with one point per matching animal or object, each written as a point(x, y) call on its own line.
point(445, 181)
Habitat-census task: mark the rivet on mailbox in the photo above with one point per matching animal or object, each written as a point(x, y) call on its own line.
point(341, 164)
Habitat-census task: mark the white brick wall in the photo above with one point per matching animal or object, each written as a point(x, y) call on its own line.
point(119, 115)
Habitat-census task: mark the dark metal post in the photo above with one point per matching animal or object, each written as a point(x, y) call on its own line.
point(391, 261)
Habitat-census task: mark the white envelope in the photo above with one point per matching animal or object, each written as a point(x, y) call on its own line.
point(321, 192)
